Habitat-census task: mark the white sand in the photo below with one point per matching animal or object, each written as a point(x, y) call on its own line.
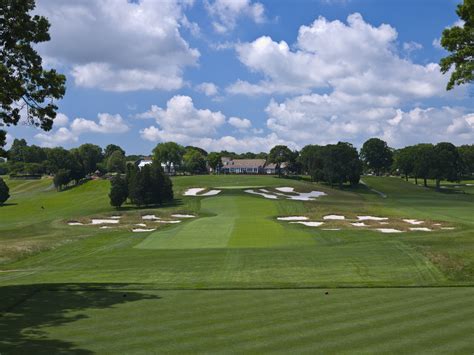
point(116, 217)
point(139, 230)
point(193, 192)
point(421, 229)
point(293, 218)
point(104, 221)
point(169, 222)
point(448, 228)
point(437, 224)
point(141, 224)
point(211, 193)
point(76, 224)
point(183, 215)
point(359, 224)
point(309, 224)
point(384, 223)
point(285, 189)
point(389, 230)
point(307, 196)
point(334, 217)
point(150, 217)
point(371, 218)
point(413, 221)
point(331, 229)
point(273, 197)
point(104, 227)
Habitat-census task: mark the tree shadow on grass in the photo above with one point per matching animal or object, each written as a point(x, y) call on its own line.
point(26, 309)
point(8, 204)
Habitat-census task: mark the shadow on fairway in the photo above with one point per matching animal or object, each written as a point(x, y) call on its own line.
point(26, 309)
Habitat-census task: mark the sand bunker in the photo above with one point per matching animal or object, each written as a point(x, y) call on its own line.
point(104, 227)
point(193, 192)
point(116, 217)
point(331, 229)
point(150, 217)
point(371, 218)
point(183, 215)
point(384, 223)
point(448, 228)
point(334, 217)
point(197, 190)
point(266, 195)
point(141, 230)
point(141, 224)
point(298, 196)
point(413, 221)
point(307, 196)
point(211, 193)
point(309, 224)
point(421, 229)
point(389, 230)
point(293, 218)
point(359, 224)
point(75, 224)
point(285, 189)
point(104, 221)
point(169, 222)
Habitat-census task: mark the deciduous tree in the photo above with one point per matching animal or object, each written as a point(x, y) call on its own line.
point(4, 192)
point(459, 40)
point(376, 155)
point(26, 88)
point(169, 153)
point(118, 191)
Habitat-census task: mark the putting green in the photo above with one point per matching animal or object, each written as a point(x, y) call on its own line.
point(235, 221)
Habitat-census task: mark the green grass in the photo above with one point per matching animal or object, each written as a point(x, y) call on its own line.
point(235, 279)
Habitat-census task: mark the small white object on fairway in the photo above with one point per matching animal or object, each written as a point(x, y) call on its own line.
point(371, 218)
point(293, 218)
point(183, 215)
point(273, 197)
point(413, 221)
point(309, 224)
point(421, 229)
point(150, 217)
point(141, 230)
point(389, 230)
point(104, 221)
point(334, 217)
point(359, 224)
point(76, 224)
point(211, 193)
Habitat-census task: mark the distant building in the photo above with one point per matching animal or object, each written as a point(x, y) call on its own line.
point(148, 160)
point(248, 166)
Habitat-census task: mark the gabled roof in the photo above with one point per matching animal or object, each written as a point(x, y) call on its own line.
point(245, 163)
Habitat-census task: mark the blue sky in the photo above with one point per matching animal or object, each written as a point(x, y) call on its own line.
point(245, 75)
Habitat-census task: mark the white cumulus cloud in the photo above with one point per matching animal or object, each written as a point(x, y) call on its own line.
point(119, 45)
point(208, 89)
point(181, 121)
point(226, 12)
point(240, 123)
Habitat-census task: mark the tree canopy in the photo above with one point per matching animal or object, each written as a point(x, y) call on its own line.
point(169, 153)
point(459, 40)
point(26, 88)
point(376, 155)
point(280, 154)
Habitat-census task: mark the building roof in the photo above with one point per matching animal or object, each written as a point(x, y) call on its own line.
point(245, 163)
